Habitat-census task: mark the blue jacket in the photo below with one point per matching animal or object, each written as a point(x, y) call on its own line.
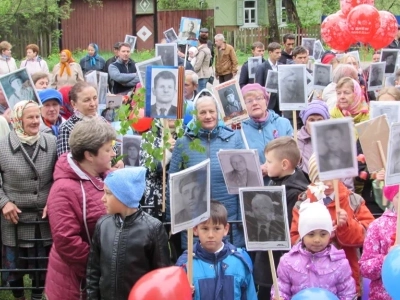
point(222, 276)
point(258, 135)
point(220, 138)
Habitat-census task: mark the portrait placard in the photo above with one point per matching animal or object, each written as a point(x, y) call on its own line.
point(113, 102)
point(241, 168)
point(393, 158)
point(91, 77)
point(318, 50)
point(322, 75)
point(376, 76)
point(265, 218)
point(389, 108)
point(230, 100)
point(131, 40)
point(190, 196)
point(292, 90)
point(253, 63)
point(18, 86)
point(141, 67)
point(168, 53)
point(369, 133)
point(390, 56)
point(271, 84)
point(170, 35)
point(130, 150)
point(309, 43)
point(102, 87)
point(335, 148)
point(189, 30)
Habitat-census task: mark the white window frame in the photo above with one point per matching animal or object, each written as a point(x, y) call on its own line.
point(250, 24)
point(280, 6)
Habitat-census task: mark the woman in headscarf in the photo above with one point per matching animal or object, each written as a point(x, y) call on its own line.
point(26, 166)
point(66, 110)
point(92, 60)
point(67, 71)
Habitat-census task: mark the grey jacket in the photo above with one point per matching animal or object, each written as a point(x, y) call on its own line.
point(26, 182)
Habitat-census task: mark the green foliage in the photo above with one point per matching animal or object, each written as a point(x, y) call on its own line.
point(181, 4)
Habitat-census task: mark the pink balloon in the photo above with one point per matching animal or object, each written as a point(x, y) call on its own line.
point(347, 5)
point(363, 21)
point(387, 32)
point(334, 32)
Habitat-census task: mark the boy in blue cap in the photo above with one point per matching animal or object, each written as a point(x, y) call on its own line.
point(127, 243)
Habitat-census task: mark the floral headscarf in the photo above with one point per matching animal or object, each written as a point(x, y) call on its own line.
point(358, 105)
point(16, 121)
point(65, 65)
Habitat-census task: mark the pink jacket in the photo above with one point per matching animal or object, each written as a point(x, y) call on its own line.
point(376, 246)
point(329, 269)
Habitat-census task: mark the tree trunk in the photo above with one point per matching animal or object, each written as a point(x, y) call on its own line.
point(292, 16)
point(273, 35)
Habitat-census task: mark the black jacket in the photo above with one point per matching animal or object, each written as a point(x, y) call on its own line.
point(244, 74)
point(395, 44)
point(261, 78)
point(285, 57)
point(122, 252)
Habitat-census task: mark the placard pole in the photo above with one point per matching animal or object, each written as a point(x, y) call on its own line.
point(294, 125)
point(273, 272)
point(189, 266)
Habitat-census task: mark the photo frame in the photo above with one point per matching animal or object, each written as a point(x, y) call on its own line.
point(168, 53)
point(231, 103)
point(142, 66)
point(190, 196)
point(335, 148)
point(131, 40)
point(241, 168)
point(271, 84)
point(292, 82)
point(309, 43)
point(253, 63)
point(376, 76)
point(389, 108)
point(130, 149)
point(102, 87)
point(18, 86)
point(322, 75)
point(113, 102)
point(91, 77)
point(318, 50)
point(265, 218)
point(170, 35)
point(391, 57)
point(356, 55)
point(392, 176)
point(189, 29)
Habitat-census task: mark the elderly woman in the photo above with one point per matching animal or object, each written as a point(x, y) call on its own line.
point(33, 62)
point(50, 111)
point(75, 205)
point(40, 80)
point(92, 60)
point(213, 136)
point(352, 60)
point(7, 63)
point(264, 125)
point(26, 166)
point(67, 71)
point(390, 93)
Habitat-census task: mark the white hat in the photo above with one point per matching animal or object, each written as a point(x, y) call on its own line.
point(314, 216)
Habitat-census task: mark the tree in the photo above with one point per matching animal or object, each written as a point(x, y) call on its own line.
point(292, 16)
point(273, 35)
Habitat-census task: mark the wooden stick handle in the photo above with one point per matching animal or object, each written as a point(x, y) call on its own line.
point(381, 153)
point(273, 272)
point(164, 173)
point(337, 199)
point(189, 266)
point(294, 113)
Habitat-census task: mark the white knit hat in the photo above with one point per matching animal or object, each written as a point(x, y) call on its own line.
point(314, 216)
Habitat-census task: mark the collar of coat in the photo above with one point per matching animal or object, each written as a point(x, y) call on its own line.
point(16, 144)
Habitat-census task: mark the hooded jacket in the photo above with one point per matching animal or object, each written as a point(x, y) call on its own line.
point(285, 58)
point(73, 193)
point(7, 65)
point(328, 269)
point(35, 65)
point(376, 247)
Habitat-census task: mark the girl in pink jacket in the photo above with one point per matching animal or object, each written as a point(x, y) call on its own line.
point(378, 244)
point(314, 262)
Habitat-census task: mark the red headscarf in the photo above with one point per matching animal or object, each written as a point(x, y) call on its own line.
point(66, 109)
point(65, 65)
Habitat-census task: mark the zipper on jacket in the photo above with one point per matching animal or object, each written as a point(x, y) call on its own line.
point(116, 258)
point(209, 144)
point(216, 273)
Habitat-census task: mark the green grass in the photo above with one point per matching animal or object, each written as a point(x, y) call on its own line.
point(7, 295)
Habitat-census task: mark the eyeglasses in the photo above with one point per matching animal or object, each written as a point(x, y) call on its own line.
point(250, 101)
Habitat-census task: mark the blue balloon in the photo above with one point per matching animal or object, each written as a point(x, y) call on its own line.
point(391, 273)
point(314, 293)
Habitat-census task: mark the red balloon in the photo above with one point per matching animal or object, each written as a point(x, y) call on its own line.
point(363, 22)
point(387, 32)
point(334, 32)
point(162, 284)
point(143, 124)
point(347, 5)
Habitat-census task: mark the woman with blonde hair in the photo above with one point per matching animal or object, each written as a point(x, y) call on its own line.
point(67, 71)
point(7, 63)
point(389, 93)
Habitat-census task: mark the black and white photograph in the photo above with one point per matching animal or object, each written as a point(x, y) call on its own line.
point(390, 56)
point(131, 40)
point(141, 67)
point(189, 29)
point(264, 214)
point(356, 55)
point(102, 87)
point(322, 75)
point(318, 50)
point(168, 53)
point(271, 84)
point(170, 35)
point(130, 150)
point(335, 147)
point(376, 76)
point(309, 43)
point(91, 77)
point(113, 102)
point(389, 108)
point(190, 196)
point(241, 168)
point(18, 86)
point(253, 63)
point(292, 81)
point(161, 92)
point(393, 160)
point(231, 101)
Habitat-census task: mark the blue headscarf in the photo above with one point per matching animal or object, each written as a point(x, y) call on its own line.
point(92, 59)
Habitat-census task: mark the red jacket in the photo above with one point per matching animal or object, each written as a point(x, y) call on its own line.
point(70, 251)
point(349, 237)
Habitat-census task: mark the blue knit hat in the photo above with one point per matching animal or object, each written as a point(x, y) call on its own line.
point(50, 94)
point(127, 185)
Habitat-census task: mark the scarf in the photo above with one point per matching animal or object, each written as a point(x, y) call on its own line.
point(81, 116)
point(66, 109)
point(358, 105)
point(6, 58)
point(16, 121)
point(65, 65)
point(95, 57)
point(54, 126)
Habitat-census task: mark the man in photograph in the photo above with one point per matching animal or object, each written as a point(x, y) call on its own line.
point(290, 88)
point(240, 176)
point(232, 105)
point(322, 76)
point(167, 55)
point(334, 158)
point(309, 45)
point(110, 113)
point(189, 33)
point(192, 200)
point(253, 67)
point(390, 59)
point(266, 225)
point(272, 80)
point(376, 76)
point(170, 36)
point(164, 91)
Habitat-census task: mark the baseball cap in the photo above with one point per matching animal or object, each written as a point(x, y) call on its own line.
point(204, 30)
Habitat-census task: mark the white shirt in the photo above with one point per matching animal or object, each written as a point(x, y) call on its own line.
point(274, 66)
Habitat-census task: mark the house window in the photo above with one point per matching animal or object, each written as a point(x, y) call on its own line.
point(283, 12)
point(250, 16)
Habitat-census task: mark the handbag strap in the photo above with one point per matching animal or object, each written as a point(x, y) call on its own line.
point(84, 214)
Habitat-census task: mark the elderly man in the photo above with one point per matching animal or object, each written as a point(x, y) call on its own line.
point(189, 93)
point(226, 63)
point(240, 176)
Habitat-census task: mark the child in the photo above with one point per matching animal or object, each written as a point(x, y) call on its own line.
point(220, 270)
point(350, 222)
point(314, 262)
point(378, 243)
point(128, 242)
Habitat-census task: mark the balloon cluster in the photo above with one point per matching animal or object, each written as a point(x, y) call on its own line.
point(358, 21)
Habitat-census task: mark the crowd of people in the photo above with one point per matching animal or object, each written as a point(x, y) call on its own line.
point(57, 163)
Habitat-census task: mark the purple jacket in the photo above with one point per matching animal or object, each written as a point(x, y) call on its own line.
point(329, 269)
point(376, 246)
